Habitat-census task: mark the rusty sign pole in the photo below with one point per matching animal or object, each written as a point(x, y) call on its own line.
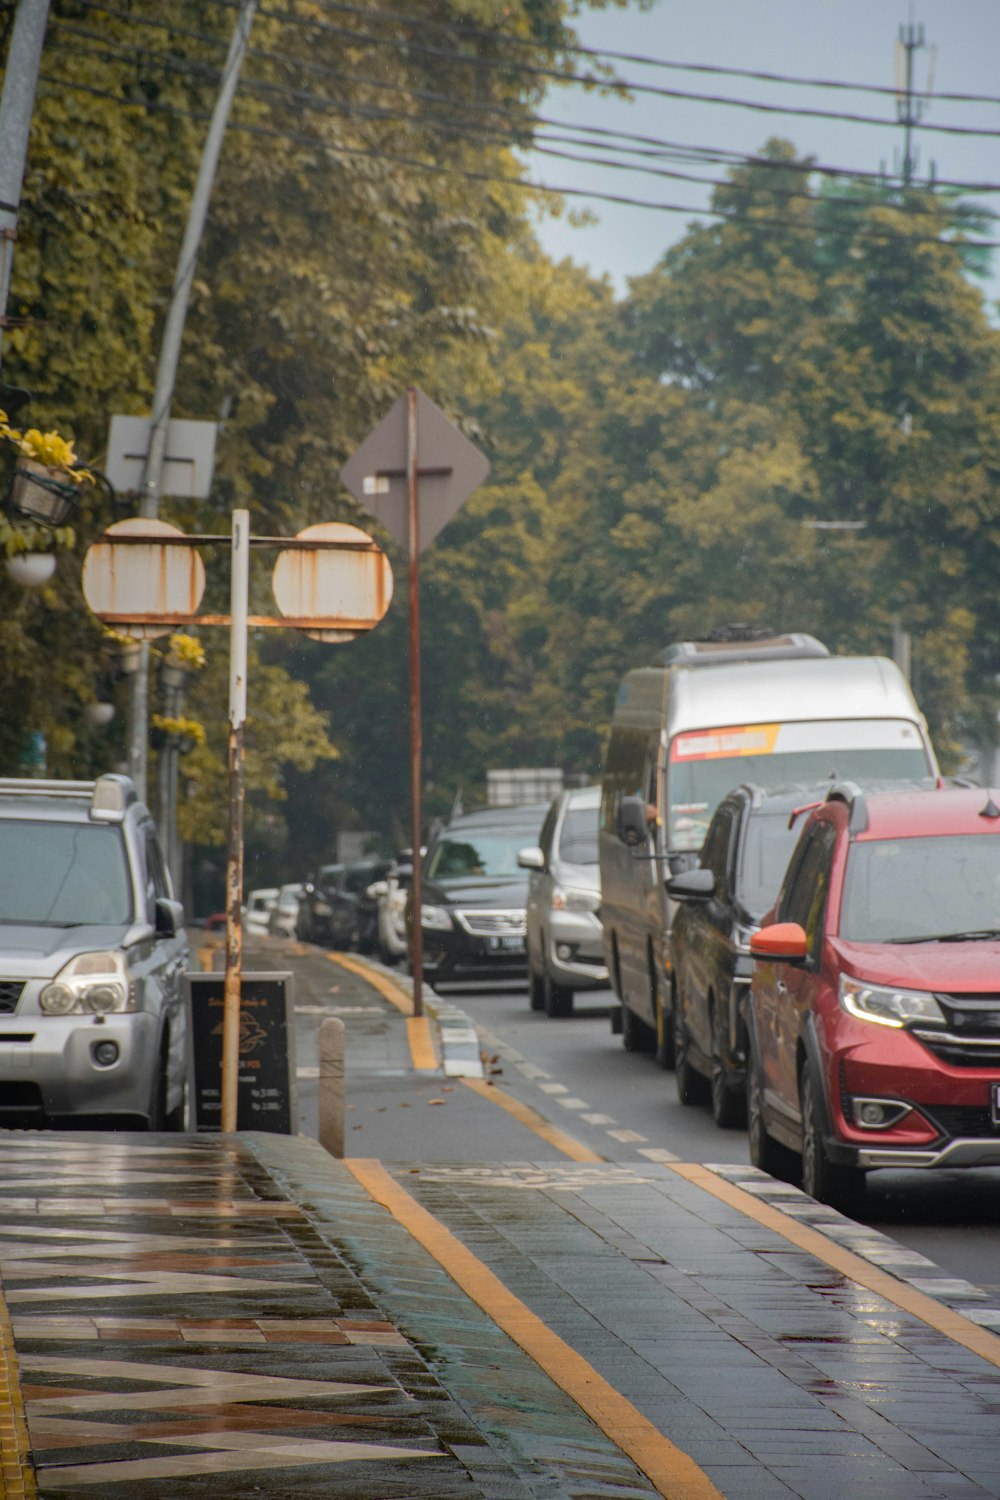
point(416, 736)
point(239, 610)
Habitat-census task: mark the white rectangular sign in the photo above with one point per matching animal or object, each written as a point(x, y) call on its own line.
point(190, 458)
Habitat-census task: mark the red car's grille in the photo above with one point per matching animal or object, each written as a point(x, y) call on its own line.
point(962, 1120)
point(971, 1035)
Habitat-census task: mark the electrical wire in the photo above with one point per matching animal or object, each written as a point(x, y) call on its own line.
point(621, 86)
point(530, 188)
point(463, 28)
point(546, 145)
point(681, 151)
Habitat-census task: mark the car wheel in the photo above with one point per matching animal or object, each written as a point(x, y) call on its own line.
point(558, 999)
point(765, 1152)
point(729, 1104)
point(636, 1035)
point(828, 1182)
point(536, 990)
point(664, 1045)
point(692, 1088)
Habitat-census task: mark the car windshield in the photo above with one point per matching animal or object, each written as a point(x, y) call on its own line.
point(493, 852)
point(905, 890)
point(767, 847)
point(706, 764)
point(578, 839)
point(64, 875)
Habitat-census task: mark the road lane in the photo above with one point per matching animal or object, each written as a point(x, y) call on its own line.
point(623, 1106)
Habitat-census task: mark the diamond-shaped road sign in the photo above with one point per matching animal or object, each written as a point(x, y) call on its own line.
point(449, 468)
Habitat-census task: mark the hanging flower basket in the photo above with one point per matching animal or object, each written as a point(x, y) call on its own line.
point(43, 494)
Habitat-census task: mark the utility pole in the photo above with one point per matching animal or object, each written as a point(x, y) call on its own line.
point(910, 107)
point(17, 103)
point(166, 373)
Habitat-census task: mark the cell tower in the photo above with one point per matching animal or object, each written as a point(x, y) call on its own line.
point(911, 106)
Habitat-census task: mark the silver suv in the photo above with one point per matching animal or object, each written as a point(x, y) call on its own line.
point(93, 957)
point(565, 946)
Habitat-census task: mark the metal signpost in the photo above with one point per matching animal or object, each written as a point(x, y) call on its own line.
point(145, 578)
point(413, 472)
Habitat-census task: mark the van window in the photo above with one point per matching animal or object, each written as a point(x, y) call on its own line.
point(624, 771)
point(706, 764)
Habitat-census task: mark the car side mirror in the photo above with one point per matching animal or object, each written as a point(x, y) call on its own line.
point(692, 885)
point(169, 917)
point(632, 821)
point(781, 943)
point(531, 859)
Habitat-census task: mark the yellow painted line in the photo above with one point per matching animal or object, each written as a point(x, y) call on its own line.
point(952, 1324)
point(670, 1470)
point(17, 1474)
point(418, 1031)
point(389, 991)
point(534, 1121)
point(422, 1054)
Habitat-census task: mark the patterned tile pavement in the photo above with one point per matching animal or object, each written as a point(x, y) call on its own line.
point(182, 1328)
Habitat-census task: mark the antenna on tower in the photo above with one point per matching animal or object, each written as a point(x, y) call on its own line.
point(911, 106)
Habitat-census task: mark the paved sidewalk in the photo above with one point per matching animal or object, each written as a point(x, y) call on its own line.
point(245, 1316)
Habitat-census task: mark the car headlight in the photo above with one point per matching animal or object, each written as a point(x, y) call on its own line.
point(94, 983)
point(436, 917)
point(566, 898)
point(886, 1005)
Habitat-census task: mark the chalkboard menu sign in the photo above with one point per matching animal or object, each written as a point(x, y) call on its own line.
point(265, 1098)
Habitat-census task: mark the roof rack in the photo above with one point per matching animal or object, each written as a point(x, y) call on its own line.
point(29, 786)
point(767, 647)
point(108, 796)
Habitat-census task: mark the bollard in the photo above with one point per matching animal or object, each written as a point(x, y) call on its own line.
point(331, 1085)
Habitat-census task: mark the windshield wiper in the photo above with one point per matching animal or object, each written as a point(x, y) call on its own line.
point(980, 935)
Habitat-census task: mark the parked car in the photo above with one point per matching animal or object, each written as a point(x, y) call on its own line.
point(874, 1009)
point(93, 955)
point(474, 895)
point(281, 917)
point(334, 909)
point(720, 905)
point(563, 932)
point(389, 896)
point(257, 910)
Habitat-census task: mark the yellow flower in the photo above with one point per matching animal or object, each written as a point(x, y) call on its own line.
point(183, 728)
point(46, 448)
point(187, 650)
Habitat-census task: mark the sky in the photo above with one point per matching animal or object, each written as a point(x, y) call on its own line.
point(853, 41)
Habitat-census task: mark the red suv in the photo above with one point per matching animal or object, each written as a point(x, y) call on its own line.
point(874, 1008)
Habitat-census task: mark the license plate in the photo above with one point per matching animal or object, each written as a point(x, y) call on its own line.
point(505, 944)
point(995, 1102)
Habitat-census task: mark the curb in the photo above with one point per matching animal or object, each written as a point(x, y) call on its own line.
point(458, 1043)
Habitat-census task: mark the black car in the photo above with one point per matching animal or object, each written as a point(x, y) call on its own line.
point(474, 895)
point(721, 903)
point(335, 910)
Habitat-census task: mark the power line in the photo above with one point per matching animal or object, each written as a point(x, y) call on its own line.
point(624, 86)
point(546, 145)
point(543, 144)
point(529, 187)
point(463, 28)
